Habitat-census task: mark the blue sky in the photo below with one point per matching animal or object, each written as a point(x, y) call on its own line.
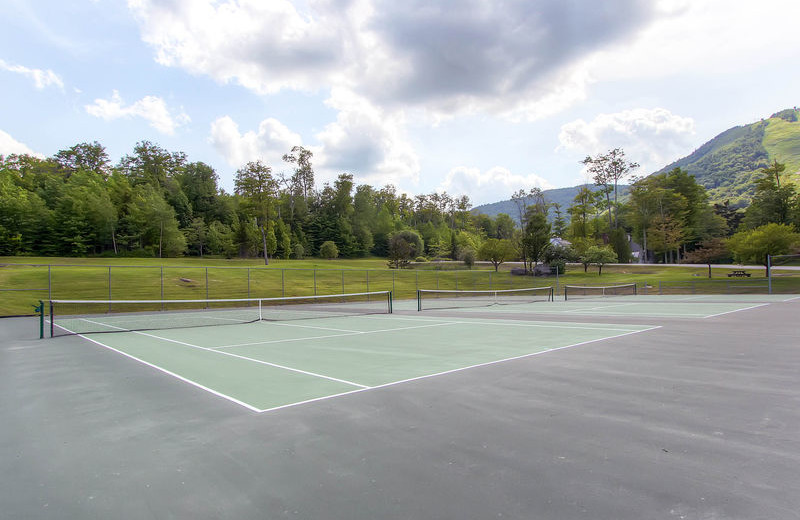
point(475, 97)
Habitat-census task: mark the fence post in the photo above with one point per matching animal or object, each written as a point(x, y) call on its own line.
point(206, 286)
point(393, 273)
point(343, 281)
point(315, 282)
point(248, 282)
point(162, 287)
point(109, 288)
point(367, 271)
point(416, 281)
point(49, 282)
point(283, 283)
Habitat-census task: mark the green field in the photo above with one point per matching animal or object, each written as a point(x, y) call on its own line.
point(25, 280)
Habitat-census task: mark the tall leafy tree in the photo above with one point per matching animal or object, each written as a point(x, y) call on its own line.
point(607, 171)
point(255, 184)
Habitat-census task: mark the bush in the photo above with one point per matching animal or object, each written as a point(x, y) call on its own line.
point(299, 251)
point(421, 259)
point(467, 255)
point(328, 250)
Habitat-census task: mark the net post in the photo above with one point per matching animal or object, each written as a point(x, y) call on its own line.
point(260, 316)
point(419, 300)
point(635, 290)
point(389, 296)
point(565, 292)
point(40, 310)
point(769, 274)
point(51, 318)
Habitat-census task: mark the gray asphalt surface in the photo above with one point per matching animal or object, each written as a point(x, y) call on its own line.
point(699, 419)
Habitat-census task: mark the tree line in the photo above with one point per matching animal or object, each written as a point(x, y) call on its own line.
point(154, 202)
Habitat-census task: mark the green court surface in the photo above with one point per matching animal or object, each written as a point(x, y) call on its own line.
point(641, 306)
point(269, 365)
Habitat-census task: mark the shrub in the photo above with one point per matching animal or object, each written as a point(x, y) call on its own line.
point(328, 250)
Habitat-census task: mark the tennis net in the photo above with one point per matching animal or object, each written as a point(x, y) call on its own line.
point(573, 292)
point(447, 299)
point(91, 316)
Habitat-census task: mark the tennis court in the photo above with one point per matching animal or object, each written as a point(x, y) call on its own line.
point(267, 365)
point(523, 410)
point(588, 301)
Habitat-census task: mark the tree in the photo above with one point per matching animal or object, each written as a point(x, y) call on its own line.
point(618, 240)
point(755, 245)
point(607, 170)
point(254, 182)
point(328, 250)
point(536, 237)
point(497, 251)
point(710, 251)
point(582, 206)
point(85, 156)
point(559, 222)
point(598, 256)
point(467, 255)
point(505, 226)
point(403, 246)
point(771, 202)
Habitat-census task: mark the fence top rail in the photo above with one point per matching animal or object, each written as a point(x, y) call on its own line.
point(264, 268)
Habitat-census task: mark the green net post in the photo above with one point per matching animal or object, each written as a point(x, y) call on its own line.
point(769, 274)
point(419, 300)
point(390, 302)
point(39, 309)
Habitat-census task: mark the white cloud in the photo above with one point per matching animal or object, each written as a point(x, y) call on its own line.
point(41, 78)
point(366, 141)
point(495, 184)
point(268, 143)
point(523, 59)
point(152, 109)
point(651, 137)
point(9, 145)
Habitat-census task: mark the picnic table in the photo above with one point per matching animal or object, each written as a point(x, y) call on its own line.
point(739, 273)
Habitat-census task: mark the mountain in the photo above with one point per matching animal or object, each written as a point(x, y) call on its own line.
point(727, 165)
point(561, 196)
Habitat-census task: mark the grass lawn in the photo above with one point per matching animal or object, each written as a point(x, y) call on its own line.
point(23, 284)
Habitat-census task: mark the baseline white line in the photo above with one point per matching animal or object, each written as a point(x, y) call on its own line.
point(173, 374)
point(791, 299)
point(460, 369)
point(737, 310)
point(259, 361)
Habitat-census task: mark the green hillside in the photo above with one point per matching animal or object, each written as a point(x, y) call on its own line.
point(729, 164)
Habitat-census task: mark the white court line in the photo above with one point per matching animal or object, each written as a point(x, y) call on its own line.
point(737, 310)
point(791, 299)
point(511, 323)
point(460, 369)
point(305, 326)
point(276, 365)
point(354, 333)
point(173, 374)
point(259, 361)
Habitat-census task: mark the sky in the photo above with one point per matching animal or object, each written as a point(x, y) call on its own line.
point(472, 97)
